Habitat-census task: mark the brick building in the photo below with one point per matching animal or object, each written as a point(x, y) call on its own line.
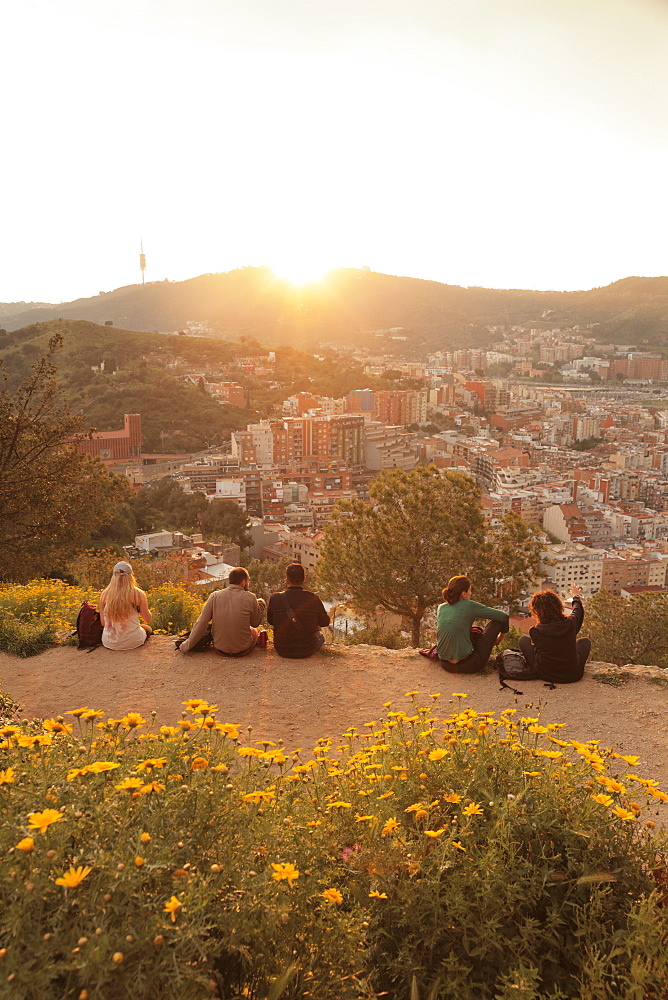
point(115, 446)
point(401, 406)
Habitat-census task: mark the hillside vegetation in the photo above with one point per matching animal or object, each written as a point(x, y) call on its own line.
point(177, 416)
point(349, 304)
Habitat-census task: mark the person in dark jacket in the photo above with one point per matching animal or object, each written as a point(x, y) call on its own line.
point(297, 616)
point(552, 648)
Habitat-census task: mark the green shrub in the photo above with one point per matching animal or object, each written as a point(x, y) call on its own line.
point(32, 614)
point(173, 609)
point(628, 629)
point(8, 707)
point(452, 856)
point(375, 635)
point(51, 599)
point(25, 638)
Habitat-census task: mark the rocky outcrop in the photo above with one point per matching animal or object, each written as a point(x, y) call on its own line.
point(628, 671)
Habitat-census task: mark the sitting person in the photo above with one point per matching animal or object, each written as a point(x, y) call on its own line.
point(297, 616)
point(551, 648)
point(233, 614)
point(461, 651)
point(121, 604)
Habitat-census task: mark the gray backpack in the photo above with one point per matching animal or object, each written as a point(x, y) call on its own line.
point(512, 666)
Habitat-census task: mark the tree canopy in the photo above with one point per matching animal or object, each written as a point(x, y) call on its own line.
point(267, 578)
point(176, 416)
point(421, 528)
point(163, 504)
point(52, 496)
point(629, 629)
point(223, 521)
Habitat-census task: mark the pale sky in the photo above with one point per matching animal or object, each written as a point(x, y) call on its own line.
point(504, 143)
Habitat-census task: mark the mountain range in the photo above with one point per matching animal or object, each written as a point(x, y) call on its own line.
point(362, 307)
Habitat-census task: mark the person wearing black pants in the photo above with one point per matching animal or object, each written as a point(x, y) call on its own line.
point(483, 642)
point(552, 648)
point(461, 650)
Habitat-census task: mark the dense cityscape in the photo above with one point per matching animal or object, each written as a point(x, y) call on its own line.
point(569, 433)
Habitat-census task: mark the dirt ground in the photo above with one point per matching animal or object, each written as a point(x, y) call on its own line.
point(298, 701)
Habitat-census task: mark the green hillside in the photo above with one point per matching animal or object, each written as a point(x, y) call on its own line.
point(176, 415)
point(350, 305)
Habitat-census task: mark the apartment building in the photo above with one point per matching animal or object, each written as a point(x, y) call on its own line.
point(203, 476)
point(486, 461)
point(228, 392)
point(584, 427)
point(232, 489)
point(255, 445)
point(322, 503)
point(401, 406)
point(291, 439)
point(304, 547)
point(389, 447)
point(570, 522)
point(568, 563)
point(326, 477)
point(339, 436)
point(525, 503)
point(360, 401)
point(633, 569)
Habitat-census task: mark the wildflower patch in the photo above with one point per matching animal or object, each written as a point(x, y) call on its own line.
point(431, 853)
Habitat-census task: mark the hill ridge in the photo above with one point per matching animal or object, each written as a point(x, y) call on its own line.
point(350, 303)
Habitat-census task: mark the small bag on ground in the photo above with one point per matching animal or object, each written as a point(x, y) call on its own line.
point(512, 666)
point(89, 626)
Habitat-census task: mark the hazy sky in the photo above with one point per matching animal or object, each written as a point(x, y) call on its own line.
point(508, 143)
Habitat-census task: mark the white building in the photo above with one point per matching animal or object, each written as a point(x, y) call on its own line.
point(155, 540)
point(262, 440)
point(565, 564)
point(231, 489)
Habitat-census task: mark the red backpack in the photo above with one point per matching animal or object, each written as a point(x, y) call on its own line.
point(89, 626)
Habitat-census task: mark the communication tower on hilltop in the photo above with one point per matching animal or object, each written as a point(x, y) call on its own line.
point(142, 260)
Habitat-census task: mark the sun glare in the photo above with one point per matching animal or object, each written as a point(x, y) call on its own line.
point(300, 272)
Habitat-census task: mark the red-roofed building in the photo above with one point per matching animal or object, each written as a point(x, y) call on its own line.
point(115, 446)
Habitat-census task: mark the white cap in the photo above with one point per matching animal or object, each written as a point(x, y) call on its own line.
point(123, 567)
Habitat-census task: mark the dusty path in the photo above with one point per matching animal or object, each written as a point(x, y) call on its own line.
point(300, 700)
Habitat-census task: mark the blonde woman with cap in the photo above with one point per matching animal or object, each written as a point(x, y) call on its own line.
point(121, 604)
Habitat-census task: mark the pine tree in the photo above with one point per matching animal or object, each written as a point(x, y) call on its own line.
point(52, 496)
point(421, 528)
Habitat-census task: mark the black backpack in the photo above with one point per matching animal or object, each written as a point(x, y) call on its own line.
point(89, 627)
point(512, 666)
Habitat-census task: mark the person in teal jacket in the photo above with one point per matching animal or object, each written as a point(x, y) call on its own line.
point(460, 650)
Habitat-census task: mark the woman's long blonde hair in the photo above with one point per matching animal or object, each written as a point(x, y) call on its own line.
point(121, 596)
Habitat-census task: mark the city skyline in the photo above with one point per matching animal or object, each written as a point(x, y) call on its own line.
point(523, 147)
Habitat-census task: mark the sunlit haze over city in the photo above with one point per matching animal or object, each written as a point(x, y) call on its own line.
point(521, 144)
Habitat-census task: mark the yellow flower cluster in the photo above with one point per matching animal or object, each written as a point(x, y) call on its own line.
point(357, 790)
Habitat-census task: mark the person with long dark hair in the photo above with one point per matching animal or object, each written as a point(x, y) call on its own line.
point(460, 650)
point(552, 648)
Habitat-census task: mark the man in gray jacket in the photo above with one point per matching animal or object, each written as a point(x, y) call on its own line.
point(233, 614)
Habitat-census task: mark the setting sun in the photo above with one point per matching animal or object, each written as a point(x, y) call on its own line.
point(301, 271)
